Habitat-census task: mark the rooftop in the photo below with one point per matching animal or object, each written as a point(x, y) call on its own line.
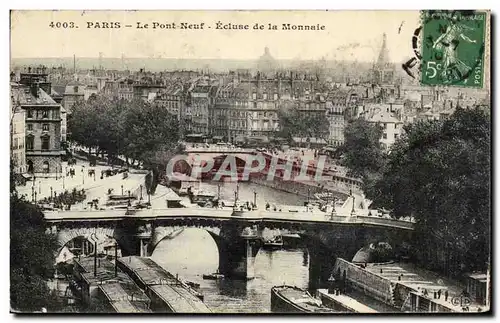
point(385, 117)
point(23, 95)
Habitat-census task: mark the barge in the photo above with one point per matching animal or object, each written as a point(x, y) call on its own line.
point(291, 299)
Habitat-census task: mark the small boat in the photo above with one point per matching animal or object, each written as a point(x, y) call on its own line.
point(192, 284)
point(213, 276)
point(291, 299)
point(273, 244)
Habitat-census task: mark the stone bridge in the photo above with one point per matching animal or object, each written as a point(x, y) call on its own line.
point(238, 236)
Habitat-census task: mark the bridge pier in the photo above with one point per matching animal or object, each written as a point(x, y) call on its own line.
point(237, 259)
point(321, 262)
point(238, 247)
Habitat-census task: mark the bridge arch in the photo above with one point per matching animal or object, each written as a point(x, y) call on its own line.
point(162, 232)
point(102, 235)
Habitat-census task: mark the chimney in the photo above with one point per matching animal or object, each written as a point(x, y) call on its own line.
point(35, 87)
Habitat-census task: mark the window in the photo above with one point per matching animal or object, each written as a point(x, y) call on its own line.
point(384, 136)
point(45, 114)
point(30, 113)
point(45, 127)
point(45, 143)
point(30, 142)
point(30, 126)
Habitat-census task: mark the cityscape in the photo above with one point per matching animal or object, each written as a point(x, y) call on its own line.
point(318, 186)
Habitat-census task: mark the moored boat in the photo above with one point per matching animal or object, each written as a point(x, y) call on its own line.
point(291, 299)
point(213, 276)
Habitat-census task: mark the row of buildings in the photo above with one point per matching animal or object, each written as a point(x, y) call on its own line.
point(233, 106)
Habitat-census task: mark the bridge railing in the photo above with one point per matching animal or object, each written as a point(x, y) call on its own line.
point(226, 214)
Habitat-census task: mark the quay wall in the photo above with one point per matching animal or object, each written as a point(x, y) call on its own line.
point(369, 283)
point(299, 188)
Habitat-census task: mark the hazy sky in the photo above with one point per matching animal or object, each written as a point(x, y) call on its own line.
point(348, 35)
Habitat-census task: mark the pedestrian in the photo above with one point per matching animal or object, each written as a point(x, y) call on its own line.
point(435, 294)
point(446, 295)
point(439, 294)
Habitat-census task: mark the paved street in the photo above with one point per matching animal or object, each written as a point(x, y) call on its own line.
point(81, 180)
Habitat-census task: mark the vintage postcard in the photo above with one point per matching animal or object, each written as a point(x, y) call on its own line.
point(315, 162)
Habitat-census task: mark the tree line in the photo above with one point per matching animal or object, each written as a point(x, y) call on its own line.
point(439, 172)
point(134, 129)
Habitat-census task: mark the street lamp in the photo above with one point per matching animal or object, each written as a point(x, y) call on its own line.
point(333, 209)
point(122, 189)
point(83, 176)
point(255, 198)
point(51, 193)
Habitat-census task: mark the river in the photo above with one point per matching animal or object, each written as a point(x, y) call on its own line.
point(194, 253)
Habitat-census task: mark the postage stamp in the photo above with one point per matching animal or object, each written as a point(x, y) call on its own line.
point(453, 48)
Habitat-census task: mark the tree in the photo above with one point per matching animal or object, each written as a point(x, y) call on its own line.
point(31, 257)
point(440, 172)
point(148, 129)
point(293, 123)
point(362, 152)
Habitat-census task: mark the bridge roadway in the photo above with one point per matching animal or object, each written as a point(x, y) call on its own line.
point(252, 217)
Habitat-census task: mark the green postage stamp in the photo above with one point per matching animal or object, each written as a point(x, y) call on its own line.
point(453, 47)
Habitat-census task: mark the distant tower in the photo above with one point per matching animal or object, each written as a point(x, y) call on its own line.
point(100, 60)
point(74, 68)
point(383, 71)
point(266, 63)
